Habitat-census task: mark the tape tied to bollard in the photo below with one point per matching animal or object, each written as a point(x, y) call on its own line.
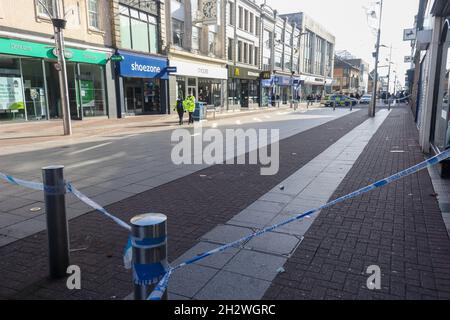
point(147, 274)
point(164, 282)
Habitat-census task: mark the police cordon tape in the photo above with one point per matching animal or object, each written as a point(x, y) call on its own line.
point(163, 284)
point(69, 188)
point(151, 274)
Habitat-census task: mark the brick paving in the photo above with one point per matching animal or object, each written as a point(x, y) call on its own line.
point(194, 205)
point(398, 227)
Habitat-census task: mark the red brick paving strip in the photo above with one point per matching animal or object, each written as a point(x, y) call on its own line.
point(194, 205)
point(398, 227)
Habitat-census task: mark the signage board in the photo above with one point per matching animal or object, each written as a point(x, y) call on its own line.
point(409, 34)
point(11, 94)
point(140, 66)
point(408, 59)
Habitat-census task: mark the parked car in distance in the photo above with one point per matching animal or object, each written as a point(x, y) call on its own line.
point(339, 99)
point(365, 99)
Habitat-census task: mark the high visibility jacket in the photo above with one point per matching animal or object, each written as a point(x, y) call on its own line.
point(189, 104)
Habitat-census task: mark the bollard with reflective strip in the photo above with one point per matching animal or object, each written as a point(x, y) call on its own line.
point(148, 242)
point(57, 228)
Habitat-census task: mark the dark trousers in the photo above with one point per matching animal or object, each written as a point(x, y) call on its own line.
point(191, 117)
point(180, 115)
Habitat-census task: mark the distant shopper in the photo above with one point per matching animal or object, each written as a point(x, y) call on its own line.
point(189, 106)
point(180, 110)
point(309, 100)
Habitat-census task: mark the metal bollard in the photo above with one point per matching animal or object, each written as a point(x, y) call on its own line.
point(57, 229)
point(149, 235)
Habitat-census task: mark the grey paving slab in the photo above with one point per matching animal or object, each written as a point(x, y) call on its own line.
point(297, 228)
point(23, 229)
point(217, 261)
point(232, 286)
point(266, 206)
point(189, 280)
point(5, 240)
point(276, 243)
point(252, 218)
point(176, 297)
point(277, 197)
point(7, 219)
point(255, 264)
point(226, 234)
point(14, 203)
point(30, 211)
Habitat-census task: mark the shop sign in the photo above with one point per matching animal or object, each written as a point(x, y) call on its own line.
point(199, 70)
point(409, 34)
point(243, 73)
point(266, 75)
point(46, 51)
point(140, 66)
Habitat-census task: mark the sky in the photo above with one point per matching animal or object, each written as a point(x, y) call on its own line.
point(347, 20)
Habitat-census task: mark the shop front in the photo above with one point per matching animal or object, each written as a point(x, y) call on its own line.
point(315, 86)
point(440, 120)
point(29, 82)
point(206, 82)
point(244, 88)
point(143, 83)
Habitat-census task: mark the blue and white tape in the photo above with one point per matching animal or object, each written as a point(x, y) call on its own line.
point(162, 285)
point(96, 206)
point(19, 182)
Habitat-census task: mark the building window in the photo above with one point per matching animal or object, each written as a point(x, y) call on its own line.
point(93, 14)
point(230, 49)
point(177, 32)
point(230, 13)
point(250, 54)
point(256, 56)
point(307, 48)
point(257, 26)
point(41, 10)
point(245, 52)
point(241, 17)
point(251, 23)
point(246, 20)
point(138, 30)
point(212, 42)
point(195, 38)
point(239, 51)
point(278, 59)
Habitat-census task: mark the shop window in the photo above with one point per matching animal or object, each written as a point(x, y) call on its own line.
point(90, 90)
point(12, 102)
point(209, 91)
point(34, 89)
point(125, 32)
point(42, 11)
point(93, 14)
point(181, 88)
point(177, 32)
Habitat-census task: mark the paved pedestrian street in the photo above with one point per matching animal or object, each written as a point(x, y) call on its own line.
point(324, 154)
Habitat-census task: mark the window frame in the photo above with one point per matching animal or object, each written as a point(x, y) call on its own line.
point(89, 11)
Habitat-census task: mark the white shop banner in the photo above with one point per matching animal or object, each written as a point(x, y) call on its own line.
point(198, 70)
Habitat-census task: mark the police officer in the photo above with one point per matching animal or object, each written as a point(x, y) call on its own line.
point(180, 110)
point(189, 106)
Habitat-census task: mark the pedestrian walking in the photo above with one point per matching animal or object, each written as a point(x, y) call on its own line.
point(189, 106)
point(180, 110)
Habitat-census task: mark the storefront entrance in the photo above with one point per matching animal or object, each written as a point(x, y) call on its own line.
point(134, 97)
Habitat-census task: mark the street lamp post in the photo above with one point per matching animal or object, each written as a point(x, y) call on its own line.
point(389, 77)
point(374, 94)
point(59, 25)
